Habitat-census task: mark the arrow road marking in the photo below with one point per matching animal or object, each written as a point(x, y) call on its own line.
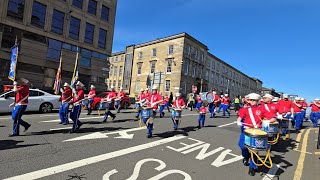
point(98, 135)
point(91, 160)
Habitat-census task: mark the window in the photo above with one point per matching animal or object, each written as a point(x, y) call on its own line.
point(88, 38)
point(114, 83)
point(167, 87)
point(105, 13)
point(85, 60)
point(102, 38)
point(69, 47)
point(74, 28)
point(188, 49)
point(57, 22)
point(115, 69)
point(170, 49)
point(152, 66)
point(154, 52)
point(110, 72)
point(16, 9)
point(195, 54)
point(92, 7)
point(122, 57)
point(77, 3)
point(38, 17)
point(33, 93)
point(54, 49)
point(194, 70)
point(120, 71)
point(200, 71)
point(169, 66)
point(207, 75)
point(186, 68)
point(139, 68)
point(117, 59)
point(138, 85)
point(119, 83)
point(213, 65)
point(201, 56)
point(140, 55)
point(212, 77)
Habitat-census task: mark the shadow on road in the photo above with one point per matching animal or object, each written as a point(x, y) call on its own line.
point(182, 131)
point(12, 144)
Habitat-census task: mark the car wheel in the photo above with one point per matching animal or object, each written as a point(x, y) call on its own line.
point(125, 105)
point(97, 106)
point(46, 108)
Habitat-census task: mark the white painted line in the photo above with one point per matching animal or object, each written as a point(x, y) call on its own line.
point(227, 124)
point(6, 117)
point(272, 172)
point(91, 160)
point(189, 114)
point(60, 128)
point(58, 120)
point(53, 115)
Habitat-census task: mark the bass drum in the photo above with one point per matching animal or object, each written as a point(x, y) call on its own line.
point(207, 97)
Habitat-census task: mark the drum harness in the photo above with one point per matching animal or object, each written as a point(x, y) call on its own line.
point(254, 153)
point(275, 141)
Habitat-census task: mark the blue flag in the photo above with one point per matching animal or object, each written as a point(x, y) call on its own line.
point(13, 63)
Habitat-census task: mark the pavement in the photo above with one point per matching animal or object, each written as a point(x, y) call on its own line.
point(120, 150)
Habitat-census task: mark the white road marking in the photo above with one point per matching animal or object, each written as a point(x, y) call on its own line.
point(58, 120)
point(60, 128)
point(272, 172)
point(227, 124)
point(98, 135)
point(91, 160)
point(6, 117)
point(189, 114)
point(57, 115)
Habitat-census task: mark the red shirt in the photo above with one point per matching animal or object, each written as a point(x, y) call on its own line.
point(216, 99)
point(203, 110)
point(80, 94)
point(315, 108)
point(304, 105)
point(92, 94)
point(66, 95)
point(285, 106)
point(199, 99)
point(121, 94)
point(296, 108)
point(225, 100)
point(23, 91)
point(148, 94)
point(141, 97)
point(179, 103)
point(258, 115)
point(154, 98)
point(111, 95)
point(270, 110)
point(241, 110)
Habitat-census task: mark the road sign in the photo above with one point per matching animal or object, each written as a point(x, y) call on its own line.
point(194, 88)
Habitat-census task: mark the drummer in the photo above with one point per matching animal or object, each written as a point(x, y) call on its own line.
point(65, 97)
point(304, 108)
point(110, 97)
point(90, 97)
point(147, 93)
point(251, 116)
point(179, 104)
point(153, 100)
point(202, 116)
point(315, 112)
point(270, 108)
point(120, 96)
point(297, 114)
point(199, 101)
point(286, 110)
point(225, 105)
point(212, 106)
point(139, 104)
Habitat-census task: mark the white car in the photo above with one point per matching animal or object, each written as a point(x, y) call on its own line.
point(38, 101)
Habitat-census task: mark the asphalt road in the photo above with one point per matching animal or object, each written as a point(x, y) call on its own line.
point(120, 150)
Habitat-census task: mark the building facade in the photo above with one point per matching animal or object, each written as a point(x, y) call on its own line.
point(46, 29)
point(175, 63)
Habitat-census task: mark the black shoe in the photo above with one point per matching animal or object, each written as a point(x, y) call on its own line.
point(13, 135)
point(88, 114)
point(113, 117)
point(297, 131)
point(104, 121)
point(79, 126)
point(72, 131)
point(66, 123)
point(149, 136)
point(175, 128)
point(26, 128)
point(245, 162)
point(163, 114)
point(60, 122)
point(252, 172)
point(137, 118)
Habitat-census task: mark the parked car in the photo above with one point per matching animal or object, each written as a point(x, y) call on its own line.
point(38, 101)
point(125, 102)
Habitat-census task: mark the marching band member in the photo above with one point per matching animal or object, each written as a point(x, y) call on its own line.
point(270, 108)
point(178, 103)
point(304, 108)
point(202, 116)
point(111, 96)
point(141, 100)
point(252, 118)
point(225, 105)
point(20, 105)
point(154, 100)
point(90, 97)
point(212, 105)
point(148, 94)
point(161, 108)
point(166, 104)
point(76, 101)
point(315, 112)
point(121, 95)
point(297, 114)
point(65, 97)
point(286, 110)
point(199, 101)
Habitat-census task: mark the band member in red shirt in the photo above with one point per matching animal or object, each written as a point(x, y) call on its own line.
point(202, 116)
point(315, 112)
point(141, 100)
point(304, 108)
point(117, 103)
point(78, 96)
point(199, 101)
point(286, 110)
point(147, 93)
point(212, 105)
point(20, 105)
point(154, 100)
point(271, 109)
point(178, 105)
point(110, 97)
point(90, 97)
point(65, 97)
point(225, 105)
point(297, 112)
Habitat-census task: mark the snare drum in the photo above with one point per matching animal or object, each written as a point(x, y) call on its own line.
point(146, 112)
point(207, 97)
point(85, 102)
point(256, 139)
point(272, 128)
point(105, 105)
point(176, 113)
point(137, 106)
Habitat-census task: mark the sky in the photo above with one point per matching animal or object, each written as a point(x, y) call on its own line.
point(276, 41)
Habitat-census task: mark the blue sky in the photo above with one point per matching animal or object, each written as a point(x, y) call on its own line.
point(277, 41)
